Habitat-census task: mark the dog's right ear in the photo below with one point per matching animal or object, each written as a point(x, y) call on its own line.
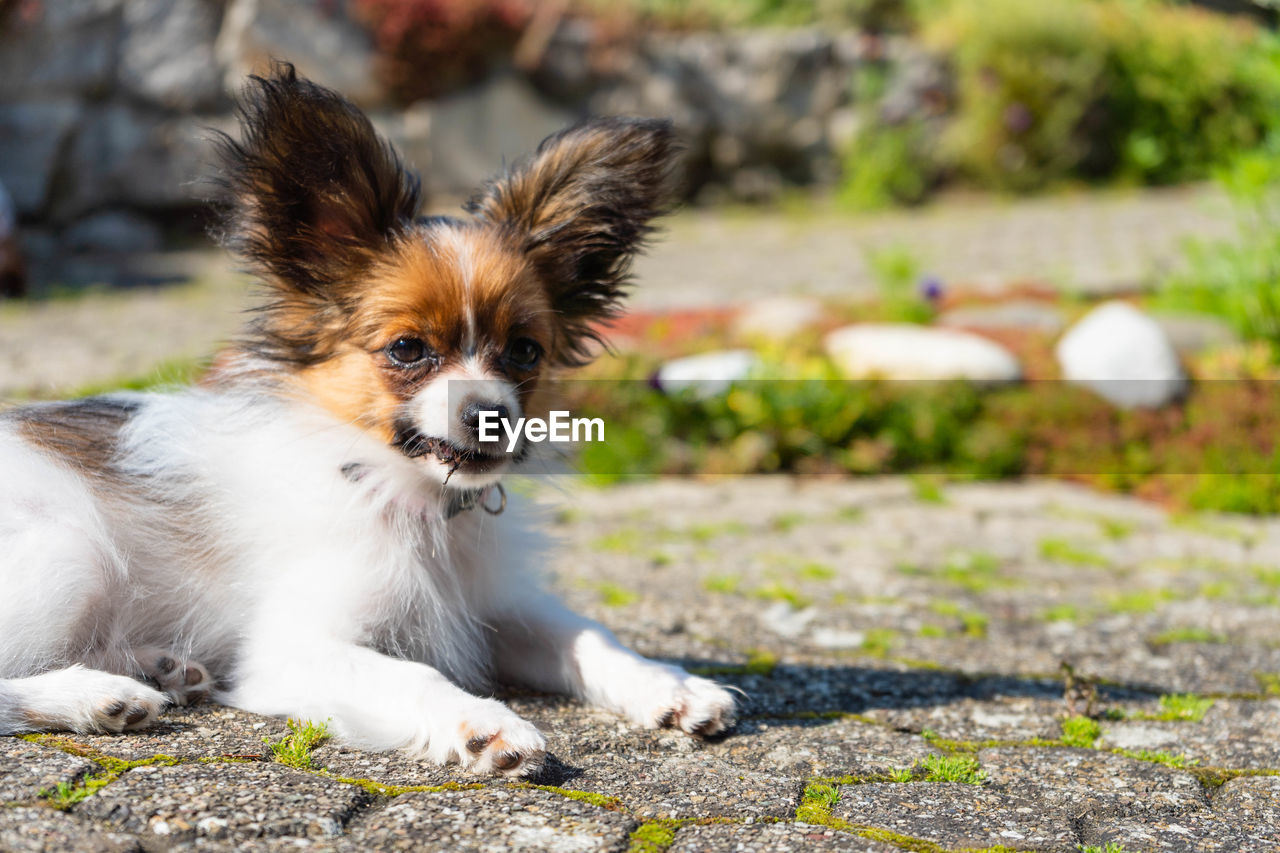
point(314, 192)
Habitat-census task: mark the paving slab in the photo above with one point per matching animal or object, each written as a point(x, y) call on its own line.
point(38, 829)
point(231, 801)
point(493, 821)
point(27, 769)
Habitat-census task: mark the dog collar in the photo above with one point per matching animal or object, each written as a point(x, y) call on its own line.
point(461, 500)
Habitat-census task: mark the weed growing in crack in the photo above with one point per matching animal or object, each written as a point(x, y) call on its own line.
point(952, 768)
point(816, 803)
point(1082, 732)
point(1183, 706)
point(294, 749)
point(654, 836)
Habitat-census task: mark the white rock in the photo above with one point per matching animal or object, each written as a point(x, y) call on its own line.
point(905, 351)
point(707, 374)
point(777, 318)
point(1124, 356)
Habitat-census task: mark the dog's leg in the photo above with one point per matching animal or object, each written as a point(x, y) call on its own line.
point(379, 702)
point(545, 645)
point(78, 700)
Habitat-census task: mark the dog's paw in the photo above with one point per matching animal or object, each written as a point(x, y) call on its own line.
point(493, 739)
point(697, 706)
point(125, 705)
point(184, 682)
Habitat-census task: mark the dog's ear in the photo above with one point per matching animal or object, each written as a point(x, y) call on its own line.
point(314, 191)
point(582, 207)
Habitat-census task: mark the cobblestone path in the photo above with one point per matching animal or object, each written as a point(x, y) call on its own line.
point(901, 659)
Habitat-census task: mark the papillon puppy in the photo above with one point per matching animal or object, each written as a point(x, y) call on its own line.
point(306, 533)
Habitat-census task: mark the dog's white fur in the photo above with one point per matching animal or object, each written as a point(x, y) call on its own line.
point(232, 538)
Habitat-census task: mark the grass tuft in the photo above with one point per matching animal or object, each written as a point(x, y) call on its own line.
point(952, 768)
point(1183, 706)
point(294, 749)
point(1081, 732)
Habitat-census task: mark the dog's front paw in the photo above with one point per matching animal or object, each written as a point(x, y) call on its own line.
point(125, 705)
point(494, 739)
point(694, 705)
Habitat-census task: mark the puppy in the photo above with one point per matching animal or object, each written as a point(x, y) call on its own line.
point(305, 534)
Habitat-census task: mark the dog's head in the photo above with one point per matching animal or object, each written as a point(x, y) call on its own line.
point(413, 327)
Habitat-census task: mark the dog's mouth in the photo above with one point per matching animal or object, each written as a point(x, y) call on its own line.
point(454, 456)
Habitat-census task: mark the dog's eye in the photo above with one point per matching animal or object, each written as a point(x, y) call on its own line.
point(407, 351)
point(523, 353)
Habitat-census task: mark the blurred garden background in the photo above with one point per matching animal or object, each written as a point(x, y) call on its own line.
point(1052, 223)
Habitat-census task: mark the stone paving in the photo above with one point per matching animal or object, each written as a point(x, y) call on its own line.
point(1021, 666)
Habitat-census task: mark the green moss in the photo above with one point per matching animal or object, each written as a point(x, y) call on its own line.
point(294, 749)
point(1269, 682)
point(775, 591)
point(786, 522)
point(1215, 777)
point(568, 515)
point(653, 836)
point(722, 583)
point(64, 795)
point(975, 571)
point(759, 662)
point(1060, 613)
point(816, 803)
point(1187, 635)
point(1186, 707)
point(1081, 732)
point(930, 630)
point(613, 804)
point(660, 559)
point(878, 641)
point(850, 513)
point(614, 595)
point(1063, 551)
point(815, 571)
point(1115, 529)
point(952, 768)
point(1179, 762)
point(380, 789)
point(628, 540)
point(1140, 601)
point(927, 489)
point(1109, 847)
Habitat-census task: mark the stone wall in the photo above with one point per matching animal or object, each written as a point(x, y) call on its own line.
point(106, 105)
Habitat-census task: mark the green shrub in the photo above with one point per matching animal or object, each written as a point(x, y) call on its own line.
point(1239, 280)
point(1026, 76)
point(1067, 89)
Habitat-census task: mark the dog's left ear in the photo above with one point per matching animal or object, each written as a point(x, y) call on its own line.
point(582, 207)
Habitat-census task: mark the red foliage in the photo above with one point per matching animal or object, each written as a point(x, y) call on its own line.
point(433, 46)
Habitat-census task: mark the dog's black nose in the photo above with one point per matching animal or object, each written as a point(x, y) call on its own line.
point(494, 415)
